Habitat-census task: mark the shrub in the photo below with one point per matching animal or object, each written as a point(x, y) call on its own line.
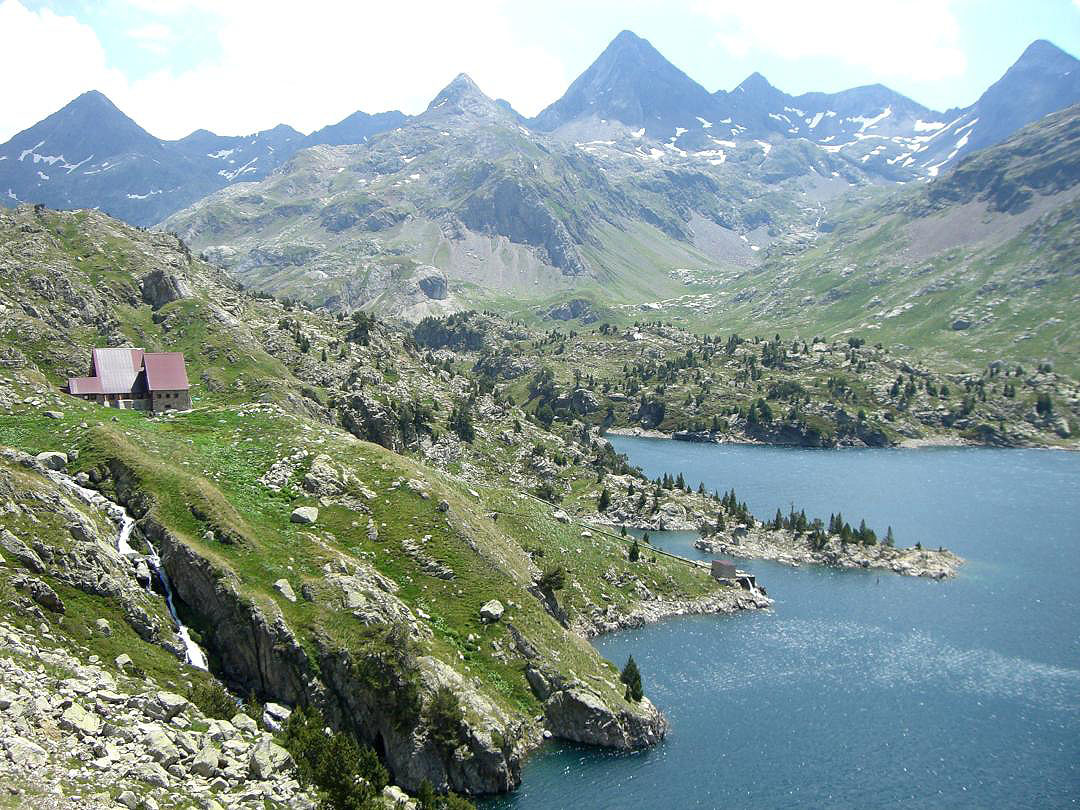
point(443, 717)
point(553, 579)
point(213, 699)
point(347, 775)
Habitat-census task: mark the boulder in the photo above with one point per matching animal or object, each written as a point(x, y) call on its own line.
point(165, 706)
point(54, 414)
point(103, 627)
point(40, 592)
point(52, 460)
point(79, 721)
point(268, 759)
point(128, 800)
point(561, 516)
point(283, 587)
point(152, 774)
point(961, 323)
point(244, 723)
point(205, 763)
point(322, 477)
point(492, 611)
point(161, 748)
point(21, 552)
point(305, 515)
point(25, 751)
point(275, 716)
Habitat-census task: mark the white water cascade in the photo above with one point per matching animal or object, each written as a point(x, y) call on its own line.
point(119, 515)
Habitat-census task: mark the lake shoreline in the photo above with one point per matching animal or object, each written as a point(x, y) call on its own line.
point(919, 443)
point(729, 600)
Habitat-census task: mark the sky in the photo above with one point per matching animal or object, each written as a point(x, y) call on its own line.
point(239, 66)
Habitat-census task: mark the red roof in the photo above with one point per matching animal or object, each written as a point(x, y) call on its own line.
point(117, 369)
point(165, 371)
point(85, 385)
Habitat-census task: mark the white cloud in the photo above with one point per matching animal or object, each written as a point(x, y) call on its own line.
point(913, 39)
point(154, 37)
point(306, 64)
point(50, 59)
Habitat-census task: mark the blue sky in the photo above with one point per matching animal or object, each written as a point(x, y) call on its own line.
point(236, 66)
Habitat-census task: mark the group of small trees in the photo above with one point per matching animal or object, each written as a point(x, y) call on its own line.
point(863, 535)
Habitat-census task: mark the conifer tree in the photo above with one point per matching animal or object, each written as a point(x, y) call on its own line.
point(631, 676)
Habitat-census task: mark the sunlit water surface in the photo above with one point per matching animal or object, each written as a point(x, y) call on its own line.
point(860, 689)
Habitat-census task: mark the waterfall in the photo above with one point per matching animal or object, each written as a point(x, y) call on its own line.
point(119, 515)
point(195, 655)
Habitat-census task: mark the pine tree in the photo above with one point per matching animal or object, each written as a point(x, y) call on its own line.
point(631, 676)
point(605, 500)
point(635, 551)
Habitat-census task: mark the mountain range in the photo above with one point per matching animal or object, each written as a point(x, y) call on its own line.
point(630, 102)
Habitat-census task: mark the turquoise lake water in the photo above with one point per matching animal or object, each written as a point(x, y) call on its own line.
point(859, 689)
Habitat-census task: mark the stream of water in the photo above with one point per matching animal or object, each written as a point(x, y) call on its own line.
point(125, 525)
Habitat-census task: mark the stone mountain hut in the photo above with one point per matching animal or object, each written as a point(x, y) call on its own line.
point(135, 379)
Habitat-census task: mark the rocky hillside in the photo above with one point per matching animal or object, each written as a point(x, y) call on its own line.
point(651, 376)
point(327, 519)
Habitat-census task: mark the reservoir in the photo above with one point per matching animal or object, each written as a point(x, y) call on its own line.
point(861, 689)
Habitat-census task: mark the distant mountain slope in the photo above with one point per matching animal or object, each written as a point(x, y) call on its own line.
point(980, 265)
point(356, 128)
point(89, 154)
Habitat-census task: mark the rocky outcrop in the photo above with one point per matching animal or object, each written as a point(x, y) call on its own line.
point(160, 287)
point(782, 546)
point(575, 711)
point(574, 308)
point(515, 210)
point(370, 420)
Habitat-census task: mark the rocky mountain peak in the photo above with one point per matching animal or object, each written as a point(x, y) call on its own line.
point(631, 82)
point(89, 124)
point(463, 96)
point(1045, 54)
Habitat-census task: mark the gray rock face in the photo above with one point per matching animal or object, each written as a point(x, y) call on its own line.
point(52, 460)
point(577, 713)
point(432, 282)
point(160, 288)
point(304, 514)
